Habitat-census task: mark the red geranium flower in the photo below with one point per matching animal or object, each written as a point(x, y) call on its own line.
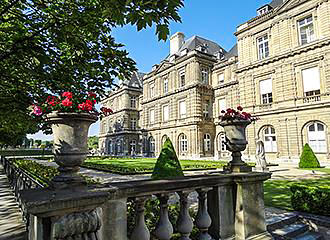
point(66, 102)
point(67, 95)
point(92, 95)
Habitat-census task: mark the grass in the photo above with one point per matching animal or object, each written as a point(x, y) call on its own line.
point(278, 194)
point(325, 170)
point(144, 165)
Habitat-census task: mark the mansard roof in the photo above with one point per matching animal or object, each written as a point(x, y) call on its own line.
point(136, 80)
point(233, 52)
point(276, 3)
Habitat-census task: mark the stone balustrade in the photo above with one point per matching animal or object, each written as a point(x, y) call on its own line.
point(230, 206)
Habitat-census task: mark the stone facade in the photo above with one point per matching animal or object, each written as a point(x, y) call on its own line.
point(278, 70)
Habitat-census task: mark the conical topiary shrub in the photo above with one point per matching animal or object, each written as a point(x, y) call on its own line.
point(308, 158)
point(167, 165)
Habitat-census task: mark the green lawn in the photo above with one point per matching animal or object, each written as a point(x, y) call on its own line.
point(326, 170)
point(278, 194)
point(144, 165)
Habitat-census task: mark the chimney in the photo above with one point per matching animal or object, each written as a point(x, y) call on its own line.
point(176, 42)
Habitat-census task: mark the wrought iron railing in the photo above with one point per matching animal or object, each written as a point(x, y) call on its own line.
point(19, 179)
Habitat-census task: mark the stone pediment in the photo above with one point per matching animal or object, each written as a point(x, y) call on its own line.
point(163, 66)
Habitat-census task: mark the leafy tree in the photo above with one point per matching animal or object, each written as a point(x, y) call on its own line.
point(168, 164)
point(308, 159)
point(51, 46)
point(37, 142)
point(93, 142)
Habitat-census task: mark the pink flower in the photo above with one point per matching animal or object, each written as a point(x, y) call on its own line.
point(66, 102)
point(37, 110)
point(67, 95)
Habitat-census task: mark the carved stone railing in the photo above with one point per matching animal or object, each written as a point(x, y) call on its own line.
point(19, 180)
point(311, 99)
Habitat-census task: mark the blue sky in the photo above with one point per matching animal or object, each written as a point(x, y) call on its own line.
point(215, 20)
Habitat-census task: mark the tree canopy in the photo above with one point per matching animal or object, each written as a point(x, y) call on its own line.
point(51, 46)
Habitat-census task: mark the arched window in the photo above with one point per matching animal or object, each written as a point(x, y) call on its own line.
point(119, 146)
point(270, 139)
point(110, 147)
point(152, 145)
point(163, 139)
point(133, 147)
point(317, 137)
point(221, 142)
point(207, 142)
point(183, 143)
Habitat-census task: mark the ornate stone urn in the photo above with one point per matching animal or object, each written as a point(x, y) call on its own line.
point(236, 142)
point(70, 132)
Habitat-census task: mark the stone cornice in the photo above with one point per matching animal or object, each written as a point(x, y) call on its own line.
point(299, 50)
point(228, 84)
point(117, 92)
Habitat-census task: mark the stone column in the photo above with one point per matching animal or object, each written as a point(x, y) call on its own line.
point(63, 214)
point(221, 209)
point(250, 210)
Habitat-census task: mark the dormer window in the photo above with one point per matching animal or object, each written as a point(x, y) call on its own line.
point(263, 10)
point(202, 48)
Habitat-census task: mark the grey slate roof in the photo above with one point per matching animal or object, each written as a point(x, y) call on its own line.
point(135, 81)
point(232, 52)
point(276, 3)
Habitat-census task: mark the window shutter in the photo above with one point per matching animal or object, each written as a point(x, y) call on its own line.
point(311, 79)
point(266, 86)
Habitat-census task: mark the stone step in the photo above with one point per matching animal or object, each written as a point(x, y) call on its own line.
point(290, 231)
point(309, 236)
point(281, 220)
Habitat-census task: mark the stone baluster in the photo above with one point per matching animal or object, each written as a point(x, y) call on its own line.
point(203, 219)
point(141, 231)
point(164, 228)
point(184, 223)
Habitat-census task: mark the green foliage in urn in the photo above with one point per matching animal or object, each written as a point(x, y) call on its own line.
point(308, 158)
point(47, 46)
point(167, 165)
point(311, 199)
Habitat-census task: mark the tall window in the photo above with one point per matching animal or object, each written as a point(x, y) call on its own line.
point(222, 105)
point(182, 79)
point(263, 47)
point(317, 137)
point(206, 109)
point(165, 113)
point(152, 115)
point(306, 30)
point(183, 143)
point(221, 78)
point(133, 147)
point(152, 90)
point(270, 139)
point(205, 75)
point(133, 101)
point(182, 109)
point(221, 141)
point(165, 85)
point(110, 147)
point(133, 123)
point(152, 144)
point(207, 142)
point(311, 81)
point(266, 90)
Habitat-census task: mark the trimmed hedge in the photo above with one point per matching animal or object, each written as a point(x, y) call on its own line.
point(308, 158)
point(25, 152)
point(311, 199)
point(168, 165)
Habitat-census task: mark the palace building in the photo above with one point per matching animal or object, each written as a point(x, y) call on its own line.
point(278, 70)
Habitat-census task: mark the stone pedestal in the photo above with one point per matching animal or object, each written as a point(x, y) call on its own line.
point(250, 210)
point(64, 214)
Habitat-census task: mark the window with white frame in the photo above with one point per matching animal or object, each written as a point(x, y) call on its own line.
point(263, 47)
point(152, 90)
point(110, 147)
point(306, 30)
point(266, 91)
point(165, 85)
point(311, 81)
point(182, 79)
point(182, 109)
point(133, 101)
point(270, 139)
point(152, 144)
point(222, 105)
point(133, 147)
point(205, 75)
point(221, 143)
point(183, 143)
point(206, 109)
point(221, 78)
point(152, 115)
point(207, 142)
point(133, 123)
point(317, 137)
point(166, 113)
